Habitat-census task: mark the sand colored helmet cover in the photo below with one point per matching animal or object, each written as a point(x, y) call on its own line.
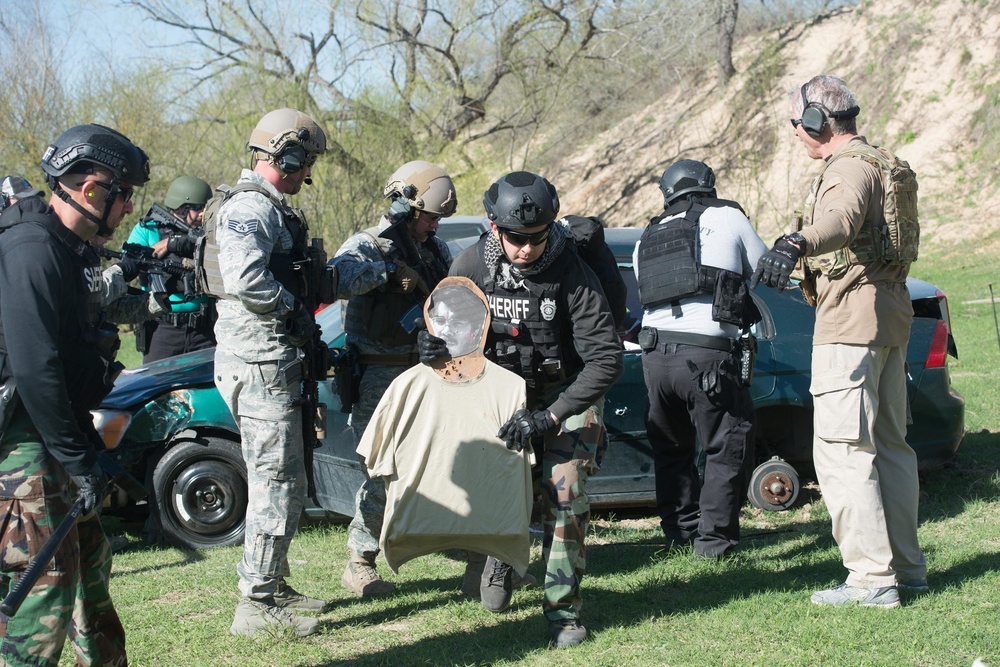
point(281, 127)
point(425, 186)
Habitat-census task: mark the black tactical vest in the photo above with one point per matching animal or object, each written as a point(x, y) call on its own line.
point(531, 329)
point(670, 268)
point(376, 315)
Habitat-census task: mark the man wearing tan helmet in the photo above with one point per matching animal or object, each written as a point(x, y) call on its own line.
point(386, 272)
point(262, 321)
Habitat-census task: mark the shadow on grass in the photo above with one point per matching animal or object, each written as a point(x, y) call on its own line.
point(973, 476)
point(711, 585)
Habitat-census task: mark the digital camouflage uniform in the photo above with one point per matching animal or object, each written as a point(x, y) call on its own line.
point(252, 349)
point(122, 307)
point(362, 279)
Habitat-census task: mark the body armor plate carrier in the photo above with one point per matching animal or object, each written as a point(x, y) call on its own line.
point(670, 267)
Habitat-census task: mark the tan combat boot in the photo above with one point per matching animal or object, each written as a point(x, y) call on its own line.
point(361, 579)
point(252, 616)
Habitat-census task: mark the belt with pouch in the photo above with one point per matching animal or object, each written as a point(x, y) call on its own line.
point(649, 338)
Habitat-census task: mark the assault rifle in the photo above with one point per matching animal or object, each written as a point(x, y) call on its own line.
point(164, 219)
point(315, 363)
point(318, 282)
point(118, 475)
point(156, 269)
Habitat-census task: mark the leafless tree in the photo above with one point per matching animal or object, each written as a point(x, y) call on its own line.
point(727, 29)
point(450, 65)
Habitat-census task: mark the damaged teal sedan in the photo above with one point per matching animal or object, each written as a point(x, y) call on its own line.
point(168, 425)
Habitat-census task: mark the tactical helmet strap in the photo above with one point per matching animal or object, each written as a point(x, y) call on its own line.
point(109, 201)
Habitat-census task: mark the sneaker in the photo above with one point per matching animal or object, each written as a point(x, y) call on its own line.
point(287, 597)
point(473, 574)
point(495, 586)
point(362, 580)
point(253, 616)
point(567, 632)
point(844, 594)
point(914, 585)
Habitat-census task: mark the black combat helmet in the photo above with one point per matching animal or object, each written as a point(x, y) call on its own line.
point(686, 176)
point(521, 200)
point(93, 144)
point(99, 145)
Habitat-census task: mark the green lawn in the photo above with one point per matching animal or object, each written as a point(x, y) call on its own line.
point(642, 606)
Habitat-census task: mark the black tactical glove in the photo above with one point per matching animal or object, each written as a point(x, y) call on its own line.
point(91, 487)
point(182, 245)
point(405, 276)
point(519, 430)
point(775, 266)
point(300, 325)
point(130, 268)
point(709, 382)
point(430, 346)
point(400, 211)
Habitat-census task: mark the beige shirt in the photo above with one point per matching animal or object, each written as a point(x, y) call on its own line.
point(868, 305)
point(451, 483)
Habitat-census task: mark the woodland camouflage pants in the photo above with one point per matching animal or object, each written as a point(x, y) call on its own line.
point(71, 598)
point(572, 454)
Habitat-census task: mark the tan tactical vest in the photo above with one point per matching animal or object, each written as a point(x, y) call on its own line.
point(896, 238)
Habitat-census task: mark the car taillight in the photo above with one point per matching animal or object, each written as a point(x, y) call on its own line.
point(939, 346)
point(945, 315)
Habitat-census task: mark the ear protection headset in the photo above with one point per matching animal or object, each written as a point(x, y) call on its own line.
point(815, 115)
point(293, 157)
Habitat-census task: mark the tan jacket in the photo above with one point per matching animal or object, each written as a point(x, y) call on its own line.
point(868, 305)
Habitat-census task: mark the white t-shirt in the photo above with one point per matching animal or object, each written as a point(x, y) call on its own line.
point(726, 240)
point(450, 481)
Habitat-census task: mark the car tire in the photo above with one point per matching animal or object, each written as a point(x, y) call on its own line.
point(200, 488)
point(774, 486)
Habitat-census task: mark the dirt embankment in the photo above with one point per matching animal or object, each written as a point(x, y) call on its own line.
point(924, 72)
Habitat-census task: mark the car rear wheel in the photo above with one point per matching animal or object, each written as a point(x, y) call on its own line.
point(774, 486)
point(201, 493)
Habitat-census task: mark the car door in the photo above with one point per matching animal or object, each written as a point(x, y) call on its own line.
point(337, 470)
point(627, 477)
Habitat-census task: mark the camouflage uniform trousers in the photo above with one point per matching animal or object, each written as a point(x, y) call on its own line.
point(369, 503)
point(71, 598)
point(572, 455)
point(271, 430)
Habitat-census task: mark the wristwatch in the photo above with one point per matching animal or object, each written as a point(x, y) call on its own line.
point(797, 240)
point(390, 267)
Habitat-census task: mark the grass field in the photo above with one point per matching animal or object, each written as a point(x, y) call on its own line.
point(642, 606)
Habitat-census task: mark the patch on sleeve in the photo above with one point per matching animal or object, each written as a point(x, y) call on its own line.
point(243, 226)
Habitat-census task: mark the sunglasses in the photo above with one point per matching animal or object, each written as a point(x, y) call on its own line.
point(536, 239)
point(125, 193)
point(195, 207)
point(795, 122)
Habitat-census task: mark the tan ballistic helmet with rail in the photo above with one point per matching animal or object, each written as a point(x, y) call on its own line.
point(425, 186)
point(282, 127)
